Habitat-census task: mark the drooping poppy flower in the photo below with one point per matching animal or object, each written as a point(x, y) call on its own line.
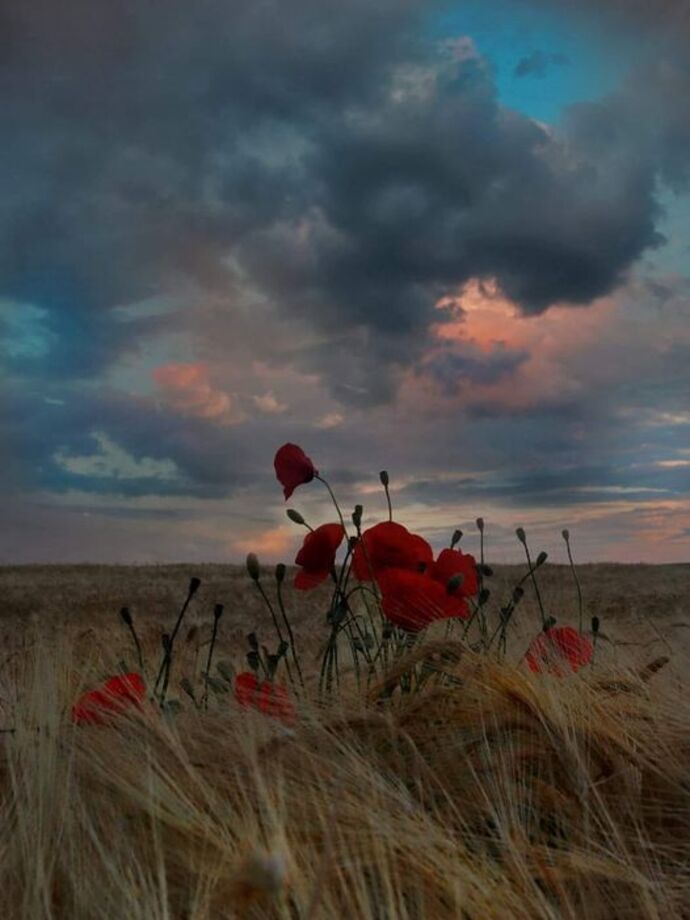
point(114, 697)
point(452, 562)
point(389, 545)
point(559, 650)
point(293, 468)
point(271, 699)
point(317, 555)
point(413, 600)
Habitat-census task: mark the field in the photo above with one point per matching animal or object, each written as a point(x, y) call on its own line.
point(490, 792)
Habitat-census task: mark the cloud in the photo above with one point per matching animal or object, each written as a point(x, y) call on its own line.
point(112, 463)
point(187, 389)
point(539, 63)
point(268, 404)
point(347, 186)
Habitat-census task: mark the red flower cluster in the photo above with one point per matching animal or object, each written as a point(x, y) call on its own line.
point(389, 546)
point(317, 555)
point(293, 468)
point(558, 650)
point(115, 696)
point(414, 587)
point(269, 698)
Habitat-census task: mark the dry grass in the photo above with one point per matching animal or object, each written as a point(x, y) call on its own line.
point(491, 793)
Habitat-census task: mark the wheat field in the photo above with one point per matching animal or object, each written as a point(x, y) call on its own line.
point(491, 792)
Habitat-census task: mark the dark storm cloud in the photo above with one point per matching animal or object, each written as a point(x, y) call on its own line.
point(345, 170)
point(539, 63)
point(465, 363)
point(572, 485)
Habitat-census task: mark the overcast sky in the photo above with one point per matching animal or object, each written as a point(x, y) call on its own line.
point(446, 239)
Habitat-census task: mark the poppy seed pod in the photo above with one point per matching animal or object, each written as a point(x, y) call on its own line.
point(218, 611)
point(480, 524)
point(541, 558)
point(280, 572)
point(454, 583)
point(194, 585)
point(565, 534)
point(253, 566)
point(595, 625)
point(126, 616)
point(383, 476)
point(520, 534)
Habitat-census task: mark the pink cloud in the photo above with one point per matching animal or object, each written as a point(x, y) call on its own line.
point(276, 544)
point(569, 351)
point(187, 389)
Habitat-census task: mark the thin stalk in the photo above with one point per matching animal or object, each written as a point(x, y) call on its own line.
point(167, 654)
point(126, 617)
point(293, 646)
point(217, 614)
point(531, 572)
point(566, 537)
point(276, 624)
point(335, 502)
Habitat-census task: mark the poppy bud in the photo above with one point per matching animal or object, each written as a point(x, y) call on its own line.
point(295, 516)
point(565, 534)
point(480, 524)
point(383, 476)
point(253, 660)
point(194, 585)
point(283, 649)
point(541, 559)
point(126, 616)
point(280, 572)
point(485, 570)
point(218, 611)
point(520, 534)
point(352, 542)
point(253, 566)
point(166, 643)
point(454, 583)
point(253, 642)
point(457, 537)
point(357, 515)
point(595, 625)
point(518, 594)
point(484, 596)
point(549, 623)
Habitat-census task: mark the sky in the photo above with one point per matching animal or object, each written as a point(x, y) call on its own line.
point(446, 239)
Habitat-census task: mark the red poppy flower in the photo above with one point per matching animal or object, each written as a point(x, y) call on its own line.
point(275, 702)
point(246, 689)
point(317, 555)
point(452, 562)
point(413, 600)
point(114, 697)
point(389, 546)
point(293, 468)
point(557, 650)
point(271, 699)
